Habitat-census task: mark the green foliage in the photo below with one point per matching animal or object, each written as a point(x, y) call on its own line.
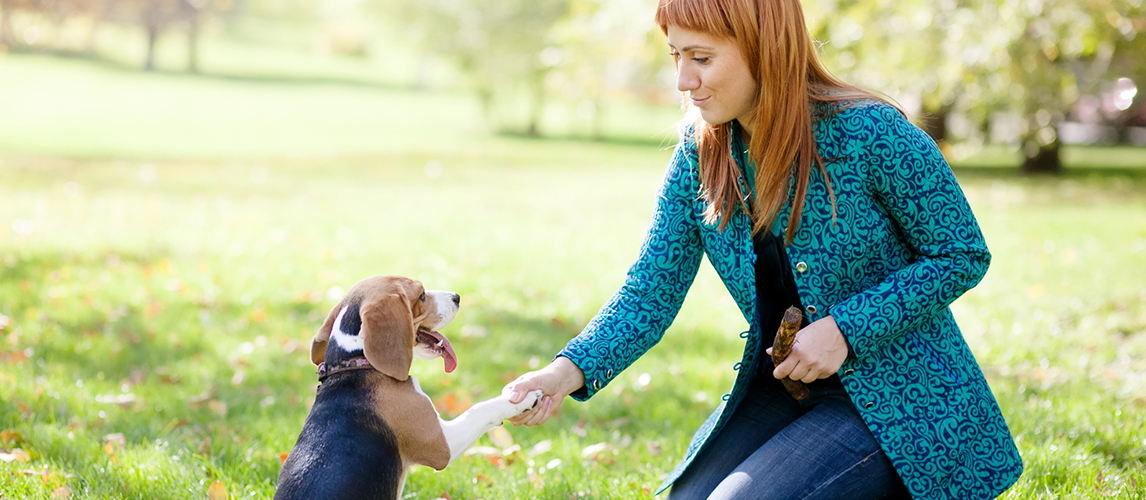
point(980, 58)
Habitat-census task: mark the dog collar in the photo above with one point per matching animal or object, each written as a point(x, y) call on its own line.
point(343, 366)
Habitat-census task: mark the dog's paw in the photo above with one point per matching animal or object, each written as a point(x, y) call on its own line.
point(529, 402)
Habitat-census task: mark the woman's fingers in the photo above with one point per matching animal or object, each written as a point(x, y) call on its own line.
point(538, 415)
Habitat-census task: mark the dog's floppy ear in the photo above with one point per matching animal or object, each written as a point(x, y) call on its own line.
point(388, 334)
point(318, 343)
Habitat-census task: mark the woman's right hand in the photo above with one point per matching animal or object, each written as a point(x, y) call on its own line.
point(557, 380)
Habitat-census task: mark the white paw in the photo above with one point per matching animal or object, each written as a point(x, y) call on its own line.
point(528, 403)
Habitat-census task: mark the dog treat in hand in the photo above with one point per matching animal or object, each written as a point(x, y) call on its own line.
point(782, 347)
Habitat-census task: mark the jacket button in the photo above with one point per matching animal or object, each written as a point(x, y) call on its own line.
point(801, 267)
point(609, 374)
point(596, 385)
point(811, 309)
point(737, 366)
point(745, 333)
point(725, 397)
point(868, 405)
point(849, 371)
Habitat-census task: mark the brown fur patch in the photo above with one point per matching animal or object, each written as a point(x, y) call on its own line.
point(414, 420)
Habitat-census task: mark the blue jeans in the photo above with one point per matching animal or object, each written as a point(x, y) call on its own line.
point(775, 447)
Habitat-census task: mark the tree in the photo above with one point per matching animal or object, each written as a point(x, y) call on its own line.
point(1032, 58)
point(498, 45)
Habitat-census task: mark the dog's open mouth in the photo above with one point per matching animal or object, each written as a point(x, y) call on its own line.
point(440, 344)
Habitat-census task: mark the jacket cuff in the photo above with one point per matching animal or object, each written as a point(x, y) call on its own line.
point(596, 376)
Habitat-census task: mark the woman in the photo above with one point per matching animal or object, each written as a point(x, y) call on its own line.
point(817, 194)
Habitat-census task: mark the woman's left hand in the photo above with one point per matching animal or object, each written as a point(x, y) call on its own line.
point(818, 352)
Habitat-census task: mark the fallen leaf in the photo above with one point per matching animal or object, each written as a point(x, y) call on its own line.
point(283, 457)
point(579, 429)
point(62, 492)
point(16, 455)
point(593, 450)
point(454, 405)
point(217, 491)
point(123, 400)
point(116, 439)
point(10, 436)
point(481, 450)
point(217, 407)
point(500, 437)
point(655, 448)
point(483, 479)
point(540, 448)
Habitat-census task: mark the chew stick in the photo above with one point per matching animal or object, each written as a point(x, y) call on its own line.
point(782, 347)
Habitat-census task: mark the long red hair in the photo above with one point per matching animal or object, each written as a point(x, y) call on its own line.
point(781, 56)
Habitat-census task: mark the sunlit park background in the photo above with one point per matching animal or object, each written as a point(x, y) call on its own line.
point(188, 186)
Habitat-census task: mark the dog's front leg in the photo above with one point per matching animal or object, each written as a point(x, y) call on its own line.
point(464, 431)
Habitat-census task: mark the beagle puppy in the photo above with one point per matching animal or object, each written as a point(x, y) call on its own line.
point(370, 420)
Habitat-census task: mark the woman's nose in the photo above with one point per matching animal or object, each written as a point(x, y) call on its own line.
point(686, 79)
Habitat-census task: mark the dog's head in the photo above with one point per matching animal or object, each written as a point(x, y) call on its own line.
point(391, 320)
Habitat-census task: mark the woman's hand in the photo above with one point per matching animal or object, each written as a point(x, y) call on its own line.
point(556, 381)
point(819, 351)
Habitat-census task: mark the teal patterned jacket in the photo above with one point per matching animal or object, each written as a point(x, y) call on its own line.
point(903, 247)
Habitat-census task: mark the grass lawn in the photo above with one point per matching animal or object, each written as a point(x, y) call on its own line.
point(163, 266)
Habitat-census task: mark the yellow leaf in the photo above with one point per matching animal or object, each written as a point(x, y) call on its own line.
point(17, 455)
point(217, 491)
point(500, 437)
point(217, 407)
point(62, 492)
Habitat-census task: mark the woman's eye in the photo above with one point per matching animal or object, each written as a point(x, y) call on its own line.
point(700, 60)
point(674, 54)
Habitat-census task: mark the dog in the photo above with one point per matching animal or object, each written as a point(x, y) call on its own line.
point(370, 420)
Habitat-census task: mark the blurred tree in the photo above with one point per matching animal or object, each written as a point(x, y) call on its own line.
point(497, 44)
point(1032, 58)
point(157, 17)
point(606, 49)
point(1065, 50)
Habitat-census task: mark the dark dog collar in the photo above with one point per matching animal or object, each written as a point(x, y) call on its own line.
point(346, 365)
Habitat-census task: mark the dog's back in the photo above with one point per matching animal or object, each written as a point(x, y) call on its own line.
point(345, 450)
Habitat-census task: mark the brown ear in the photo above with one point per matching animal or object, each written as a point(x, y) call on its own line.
point(318, 343)
point(388, 335)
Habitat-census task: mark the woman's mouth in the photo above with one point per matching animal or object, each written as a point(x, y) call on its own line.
point(698, 102)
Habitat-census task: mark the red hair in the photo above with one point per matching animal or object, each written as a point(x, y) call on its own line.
point(782, 58)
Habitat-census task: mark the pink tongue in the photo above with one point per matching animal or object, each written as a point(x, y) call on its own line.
point(449, 356)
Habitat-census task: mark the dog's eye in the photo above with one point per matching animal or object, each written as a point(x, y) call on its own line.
point(422, 297)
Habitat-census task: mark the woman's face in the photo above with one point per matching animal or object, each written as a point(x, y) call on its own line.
point(713, 73)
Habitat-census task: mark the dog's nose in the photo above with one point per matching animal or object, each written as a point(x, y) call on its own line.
point(457, 299)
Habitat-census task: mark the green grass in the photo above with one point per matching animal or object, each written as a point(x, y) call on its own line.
point(163, 268)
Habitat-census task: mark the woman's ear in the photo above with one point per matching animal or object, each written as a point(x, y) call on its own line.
point(318, 343)
point(388, 335)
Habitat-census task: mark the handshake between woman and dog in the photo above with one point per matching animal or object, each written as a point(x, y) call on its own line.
point(371, 421)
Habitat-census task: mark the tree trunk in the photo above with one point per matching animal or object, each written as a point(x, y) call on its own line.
point(935, 123)
point(1042, 159)
point(6, 37)
point(193, 42)
point(537, 104)
point(152, 35)
point(598, 122)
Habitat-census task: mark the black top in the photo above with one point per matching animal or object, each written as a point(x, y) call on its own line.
point(775, 292)
point(775, 287)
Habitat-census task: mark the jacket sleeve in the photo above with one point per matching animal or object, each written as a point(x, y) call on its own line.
point(916, 189)
point(636, 317)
